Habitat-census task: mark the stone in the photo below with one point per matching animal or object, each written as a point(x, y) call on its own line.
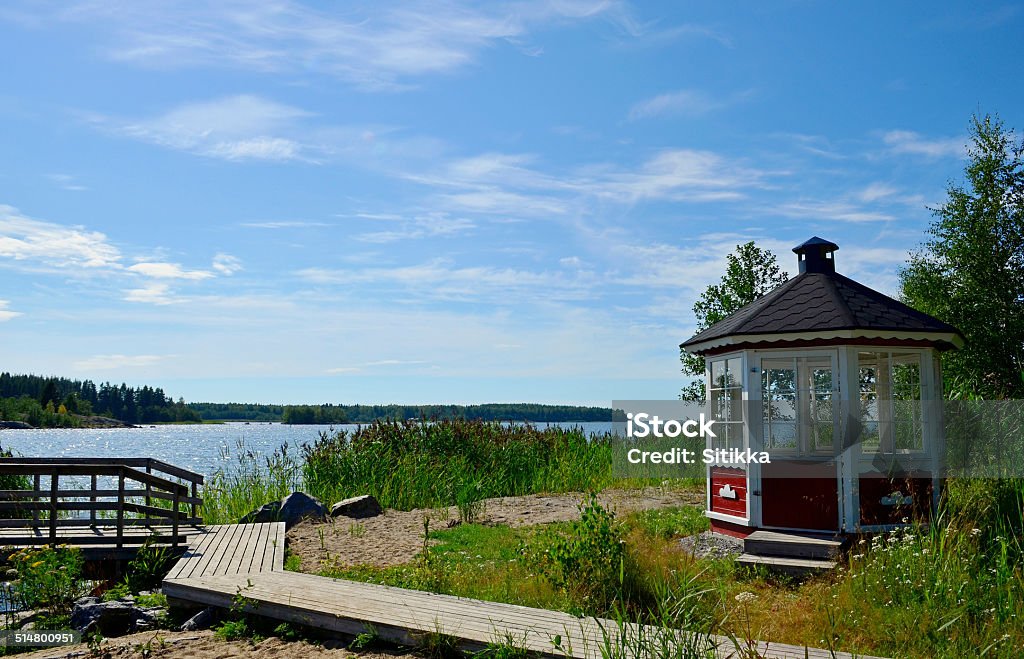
point(114, 618)
point(292, 509)
point(202, 620)
point(357, 507)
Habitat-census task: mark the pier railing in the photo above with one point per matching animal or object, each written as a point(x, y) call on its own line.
point(97, 501)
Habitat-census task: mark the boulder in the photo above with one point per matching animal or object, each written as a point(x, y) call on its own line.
point(115, 618)
point(358, 507)
point(202, 620)
point(291, 510)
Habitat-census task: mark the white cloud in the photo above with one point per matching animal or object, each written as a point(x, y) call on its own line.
point(877, 191)
point(423, 226)
point(226, 264)
point(159, 270)
point(909, 142)
point(831, 210)
point(283, 224)
point(54, 245)
point(440, 279)
point(684, 101)
point(5, 313)
point(235, 128)
point(113, 362)
point(378, 49)
point(66, 182)
point(152, 293)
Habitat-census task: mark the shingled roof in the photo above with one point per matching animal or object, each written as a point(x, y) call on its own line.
point(821, 300)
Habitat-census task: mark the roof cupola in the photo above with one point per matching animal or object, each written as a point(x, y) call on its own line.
point(816, 255)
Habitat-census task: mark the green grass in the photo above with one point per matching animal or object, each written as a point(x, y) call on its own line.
point(416, 465)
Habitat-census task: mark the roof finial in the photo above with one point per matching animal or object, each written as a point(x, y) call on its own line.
point(816, 255)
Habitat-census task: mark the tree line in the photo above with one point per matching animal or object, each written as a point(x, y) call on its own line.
point(335, 413)
point(56, 401)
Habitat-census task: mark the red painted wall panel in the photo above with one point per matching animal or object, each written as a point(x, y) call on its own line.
point(729, 491)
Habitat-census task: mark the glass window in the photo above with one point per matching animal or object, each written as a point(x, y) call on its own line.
point(726, 400)
point(890, 401)
point(797, 397)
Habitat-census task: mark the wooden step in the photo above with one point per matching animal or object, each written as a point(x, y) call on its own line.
point(791, 545)
point(786, 565)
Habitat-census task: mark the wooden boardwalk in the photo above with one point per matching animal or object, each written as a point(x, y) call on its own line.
point(232, 549)
point(244, 564)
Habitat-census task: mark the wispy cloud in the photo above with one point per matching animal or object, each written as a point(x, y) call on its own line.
point(165, 270)
point(844, 211)
point(237, 128)
point(442, 279)
point(904, 142)
point(114, 362)
point(283, 224)
point(226, 264)
point(685, 102)
point(342, 370)
point(428, 225)
point(54, 245)
point(152, 293)
point(67, 182)
point(5, 313)
point(380, 49)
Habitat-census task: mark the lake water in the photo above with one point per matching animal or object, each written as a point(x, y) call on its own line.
point(200, 448)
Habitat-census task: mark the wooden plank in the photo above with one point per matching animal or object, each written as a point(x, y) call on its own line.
point(208, 560)
point(222, 561)
point(278, 564)
point(273, 553)
point(306, 599)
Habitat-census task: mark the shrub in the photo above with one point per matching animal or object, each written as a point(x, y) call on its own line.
point(587, 562)
point(49, 579)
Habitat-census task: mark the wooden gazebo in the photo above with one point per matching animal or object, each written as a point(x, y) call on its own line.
point(840, 384)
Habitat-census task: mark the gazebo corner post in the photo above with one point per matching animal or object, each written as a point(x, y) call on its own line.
point(847, 448)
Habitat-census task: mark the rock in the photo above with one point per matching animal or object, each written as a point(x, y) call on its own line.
point(292, 509)
point(15, 425)
point(202, 620)
point(115, 618)
point(358, 507)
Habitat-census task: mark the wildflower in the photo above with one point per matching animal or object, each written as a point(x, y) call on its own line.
point(975, 532)
point(746, 596)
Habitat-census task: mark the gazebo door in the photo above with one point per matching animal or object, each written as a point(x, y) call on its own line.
point(799, 489)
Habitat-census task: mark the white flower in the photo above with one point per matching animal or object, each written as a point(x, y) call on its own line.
point(746, 596)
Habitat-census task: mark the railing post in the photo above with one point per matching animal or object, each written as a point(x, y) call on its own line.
point(149, 488)
point(36, 484)
point(92, 499)
point(120, 507)
point(54, 485)
point(196, 507)
point(174, 521)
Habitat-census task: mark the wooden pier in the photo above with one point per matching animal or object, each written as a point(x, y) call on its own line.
point(109, 507)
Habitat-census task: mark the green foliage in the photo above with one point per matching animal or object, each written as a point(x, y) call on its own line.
point(365, 640)
point(36, 400)
point(231, 493)
point(287, 632)
point(970, 274)
point(669, 523)
point(750, 273)
point(233, 630)
point(149, 567)
point(48, 579)
point(151, 600)
point(453, 461)
point(588, 561)
point(116, 592)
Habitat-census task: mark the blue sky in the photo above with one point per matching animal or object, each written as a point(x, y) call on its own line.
point(448, 202)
